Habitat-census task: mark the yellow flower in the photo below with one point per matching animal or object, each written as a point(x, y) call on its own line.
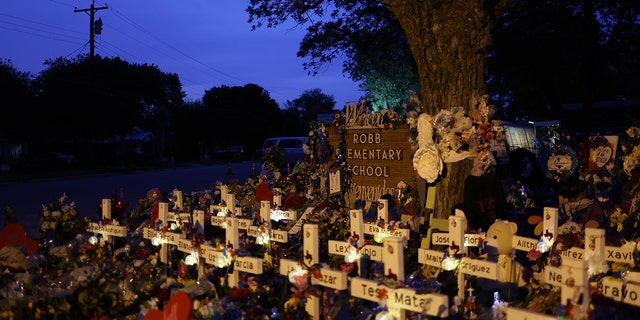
point(292, 304)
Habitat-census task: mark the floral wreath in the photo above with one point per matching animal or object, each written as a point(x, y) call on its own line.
point(562, 162)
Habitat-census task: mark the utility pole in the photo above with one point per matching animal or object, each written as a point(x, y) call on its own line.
point(92, 10)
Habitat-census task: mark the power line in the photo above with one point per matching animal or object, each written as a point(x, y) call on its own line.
point(92, 24)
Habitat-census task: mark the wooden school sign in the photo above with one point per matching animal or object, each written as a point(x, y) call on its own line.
point(380, 158)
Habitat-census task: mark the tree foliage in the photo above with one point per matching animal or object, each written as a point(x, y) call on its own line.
point(83, 102)
point(101, 97)
point(310, 103)
point(363, 35)
point(15, 98)
point(231, 112)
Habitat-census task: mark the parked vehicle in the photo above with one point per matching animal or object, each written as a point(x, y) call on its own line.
point(292, 148)
point(231, 153)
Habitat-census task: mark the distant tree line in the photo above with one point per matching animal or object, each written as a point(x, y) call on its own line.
point(77, 105)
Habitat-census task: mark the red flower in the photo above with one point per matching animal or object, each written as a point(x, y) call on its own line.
point(347, 267)
point(141, 253)
point(183, 271)
point(382, 293)
point(239, 293)
point(534, 254)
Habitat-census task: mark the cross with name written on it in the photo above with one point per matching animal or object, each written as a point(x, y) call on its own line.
point(107, 230)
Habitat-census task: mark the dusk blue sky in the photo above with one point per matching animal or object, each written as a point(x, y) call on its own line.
point(208, 43)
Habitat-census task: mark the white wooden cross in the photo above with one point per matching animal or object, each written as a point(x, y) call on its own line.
point(393, 260)
point(246, 264)
point(108, 230)
point(398, 300)
point(357, 232)
point(334, 279)
point(159, 237)
point(383, 215)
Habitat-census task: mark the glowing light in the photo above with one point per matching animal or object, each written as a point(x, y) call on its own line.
point(278, 215)
point(224, 258)
point(380, 235)
point(174, 226)
point(543, 246)
point(156, 240)
point(222, 212)
point(191, 259)
point(262, 239)
point(93, 240)
point(450, 263)
point(352, 254)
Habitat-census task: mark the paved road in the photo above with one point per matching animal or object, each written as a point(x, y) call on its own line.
point(26, 198)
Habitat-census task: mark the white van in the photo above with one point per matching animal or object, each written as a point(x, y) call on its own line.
point(293, 151)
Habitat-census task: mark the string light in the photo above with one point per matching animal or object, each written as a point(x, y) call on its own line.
point(450, 263)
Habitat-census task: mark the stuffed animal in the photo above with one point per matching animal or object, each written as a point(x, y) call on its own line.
point(498, 245)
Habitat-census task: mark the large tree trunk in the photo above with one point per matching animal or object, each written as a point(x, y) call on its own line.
point(449, 41)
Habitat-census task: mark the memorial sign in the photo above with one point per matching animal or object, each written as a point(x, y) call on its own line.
point(380, 157)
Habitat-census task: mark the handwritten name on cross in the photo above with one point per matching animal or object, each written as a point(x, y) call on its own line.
point(356, 230)
point(398, 300)
point(329, 278)
point(107, 231)
point(311, 250)
point(247, 264)
point(160, 237)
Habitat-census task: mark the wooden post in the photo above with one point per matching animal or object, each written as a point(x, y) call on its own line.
point(277, 197)
point(357, 226)
point(383, 210)
point(178, 203)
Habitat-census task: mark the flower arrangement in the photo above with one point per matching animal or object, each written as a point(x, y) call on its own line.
point(570, 235)
point(631, 165)
point(459, 135)
point(622, 227)
point(60, 217)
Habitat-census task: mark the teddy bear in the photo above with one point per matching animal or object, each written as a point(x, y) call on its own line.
point(498, 247)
